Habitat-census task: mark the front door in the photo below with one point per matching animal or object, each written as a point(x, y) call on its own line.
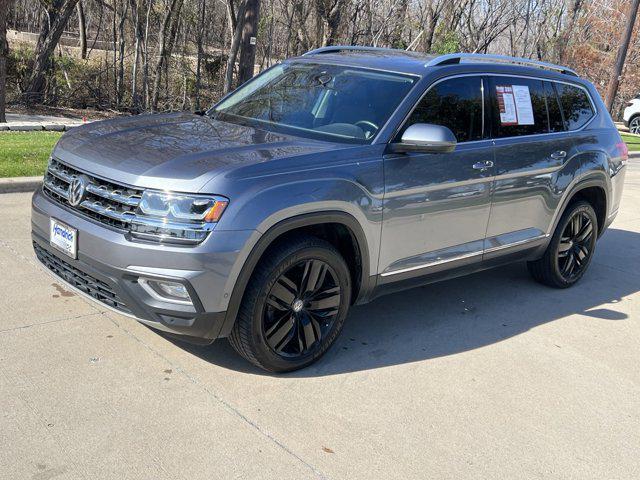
point(436, 206)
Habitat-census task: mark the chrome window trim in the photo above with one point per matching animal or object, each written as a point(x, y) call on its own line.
point(581, 87)
point(433, 263)
point(488, 74)
point(515, 244)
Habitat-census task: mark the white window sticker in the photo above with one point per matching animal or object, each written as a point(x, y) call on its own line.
point(507, 105)
point(514, 102)
point(524, 108)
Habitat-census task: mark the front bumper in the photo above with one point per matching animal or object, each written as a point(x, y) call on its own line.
point(108, 267)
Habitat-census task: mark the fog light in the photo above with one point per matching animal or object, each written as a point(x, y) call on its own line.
point(166, 291)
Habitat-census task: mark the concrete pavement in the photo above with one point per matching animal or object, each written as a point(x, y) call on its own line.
point(487, 376)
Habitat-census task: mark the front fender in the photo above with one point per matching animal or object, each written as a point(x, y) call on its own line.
point(269, 205)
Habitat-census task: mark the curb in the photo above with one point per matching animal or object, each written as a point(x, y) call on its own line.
point(38, 127)
point(19, 184)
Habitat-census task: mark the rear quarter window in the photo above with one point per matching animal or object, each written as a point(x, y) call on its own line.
point(576, 106)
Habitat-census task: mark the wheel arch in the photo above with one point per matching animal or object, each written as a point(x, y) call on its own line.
point(303, 223)
point(594, 190)
point(633, 116)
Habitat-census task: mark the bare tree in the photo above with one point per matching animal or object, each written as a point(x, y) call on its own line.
point(235, 43)
point(166, 54)
point(200, 38)
point(248, 41)
point(329, 12)
point(612, 89)
point(167, 36)
point(82, 30)
point(4, 52)
point(57, 14)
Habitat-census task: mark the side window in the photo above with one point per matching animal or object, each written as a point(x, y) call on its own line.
point(519, 107)
point(556, 123)
point(575, 105)
point(455, 103)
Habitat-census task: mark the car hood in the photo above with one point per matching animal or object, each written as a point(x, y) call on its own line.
point(177, 151)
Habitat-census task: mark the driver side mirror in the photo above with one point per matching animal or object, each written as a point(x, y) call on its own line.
point(425, 138)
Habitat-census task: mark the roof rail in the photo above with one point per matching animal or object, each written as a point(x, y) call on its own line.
point(349, 48)
point(454, 58)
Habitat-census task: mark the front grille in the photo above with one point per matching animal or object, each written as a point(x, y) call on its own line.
point(107, 202)
point(81, 280)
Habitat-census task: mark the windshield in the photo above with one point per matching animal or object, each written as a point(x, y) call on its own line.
point(328, 102)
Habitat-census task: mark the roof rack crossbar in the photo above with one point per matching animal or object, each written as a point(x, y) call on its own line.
point(348, 48)
point(454, 58)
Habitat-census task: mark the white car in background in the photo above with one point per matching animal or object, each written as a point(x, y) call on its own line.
point(631, 115)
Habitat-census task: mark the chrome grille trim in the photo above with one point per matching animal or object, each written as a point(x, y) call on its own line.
point(114, 195)
point(110, 212)
point(107, 202)
point(117, 206)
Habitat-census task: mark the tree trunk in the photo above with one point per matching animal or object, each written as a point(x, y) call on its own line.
point(201, 17)
point(4, 51)
point(121, 48)
point(82, 28)
point(58, 12)
point(145, 65)
point(612, 89)
point(398, 24)
point(167, 30)
point(138, 34)
point(329, 11)
point(248, 43)
point(233, 50)
point(574, 11)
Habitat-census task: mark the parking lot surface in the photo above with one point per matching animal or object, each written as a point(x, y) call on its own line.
point(487, 376)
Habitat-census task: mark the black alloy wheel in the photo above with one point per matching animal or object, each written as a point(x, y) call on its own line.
point(294, 306)
point(301, 308)
point(575, 247)
point(570, 249)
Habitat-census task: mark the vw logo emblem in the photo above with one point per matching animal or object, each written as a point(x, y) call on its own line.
point(77, 189)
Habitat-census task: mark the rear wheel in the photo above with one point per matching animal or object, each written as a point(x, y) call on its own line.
point(294, 306)
point(634, 125)
point(571, 248)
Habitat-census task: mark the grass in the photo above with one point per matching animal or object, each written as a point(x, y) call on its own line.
point(632, 141)
point(24, 154)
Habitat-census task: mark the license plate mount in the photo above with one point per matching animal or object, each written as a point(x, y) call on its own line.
point(63, 238)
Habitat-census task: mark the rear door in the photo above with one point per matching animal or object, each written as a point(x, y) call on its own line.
point(531, 146)
point(436, 206)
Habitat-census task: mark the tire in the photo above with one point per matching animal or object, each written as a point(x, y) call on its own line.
point(634, 124)
point(570, 250)
point(294, 306)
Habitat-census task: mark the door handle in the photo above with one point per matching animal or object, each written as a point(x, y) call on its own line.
point(482, 166)
point(559, 155)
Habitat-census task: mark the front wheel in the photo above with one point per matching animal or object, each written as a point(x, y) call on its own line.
point(294, 306)
point(571, 248)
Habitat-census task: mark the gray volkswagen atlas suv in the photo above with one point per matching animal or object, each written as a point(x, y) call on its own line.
point(326, 181)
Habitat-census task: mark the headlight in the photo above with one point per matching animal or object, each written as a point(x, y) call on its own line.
point(176, 218)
